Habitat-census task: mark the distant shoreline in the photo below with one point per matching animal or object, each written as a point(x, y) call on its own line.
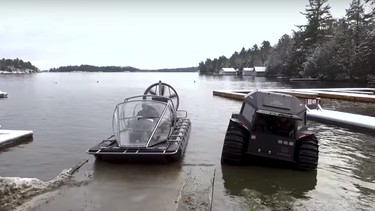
point(90, 68)
point(141, 71)
point(16, 66)
point(177, 70)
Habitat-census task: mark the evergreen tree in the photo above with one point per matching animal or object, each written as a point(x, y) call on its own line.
point(319, 23)
point(342, 52)
point(10, 65)
point(358, 23)
point(278, 60)
point(265, 51)
point(314, 34)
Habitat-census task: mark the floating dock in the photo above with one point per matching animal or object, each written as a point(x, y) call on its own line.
point(240, 94)
point(304, 79)
point(3, 94)
point(351, 94)
point(342, 118)
point(319, 114)
point(12, 137)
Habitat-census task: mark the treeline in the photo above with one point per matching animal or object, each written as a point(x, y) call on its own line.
point(325, 48)
point(90, 68)
point(183, 69)
point(254, 56)
point(13, 65)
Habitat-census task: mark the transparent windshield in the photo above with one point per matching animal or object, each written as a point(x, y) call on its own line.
point(163, 129)
point(135, 121)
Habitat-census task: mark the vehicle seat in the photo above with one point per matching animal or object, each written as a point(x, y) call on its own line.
point(260, 125)
point(161, 99)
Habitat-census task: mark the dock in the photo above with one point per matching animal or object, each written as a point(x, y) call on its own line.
point(366, 95)
point(13, 137)
point(3, 94)
point(240, 94)
point(342, 118)
point(304, 79)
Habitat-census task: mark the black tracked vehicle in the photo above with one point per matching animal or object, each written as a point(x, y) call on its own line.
point(270, 125)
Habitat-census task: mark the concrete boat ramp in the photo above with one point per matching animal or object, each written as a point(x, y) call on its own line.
point(366, 95)
point(12, 137)
point(105, 186)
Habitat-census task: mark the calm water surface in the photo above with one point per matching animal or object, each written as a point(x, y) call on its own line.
point(70, 112)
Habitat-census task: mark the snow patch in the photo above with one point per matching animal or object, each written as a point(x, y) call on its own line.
point(16, 190)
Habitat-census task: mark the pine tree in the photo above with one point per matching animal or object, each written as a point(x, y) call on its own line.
point(319, 23)
point(278, 60)
point(358, 23)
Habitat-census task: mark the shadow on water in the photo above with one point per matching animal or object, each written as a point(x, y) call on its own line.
point(135, 172)
point(19, 143)
point(267, 181)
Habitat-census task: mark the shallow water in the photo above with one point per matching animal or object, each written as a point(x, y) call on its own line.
point(70, 112)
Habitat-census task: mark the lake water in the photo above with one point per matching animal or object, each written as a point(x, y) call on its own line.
point(70, 112)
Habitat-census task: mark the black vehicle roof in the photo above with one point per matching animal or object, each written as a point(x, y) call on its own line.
point(275, 102)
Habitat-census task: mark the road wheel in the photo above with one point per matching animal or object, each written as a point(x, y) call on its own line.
point(307, 153)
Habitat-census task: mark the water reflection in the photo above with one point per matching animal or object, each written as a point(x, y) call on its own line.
point(129, 173)
point(14, 145)
point(267, 181)
point(345, 152)
point(346, 167)
point(64, 128)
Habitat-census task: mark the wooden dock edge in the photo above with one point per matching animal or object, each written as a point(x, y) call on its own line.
point(13, 141)
point(229, 94)
point(239, 95)
point(334, 93)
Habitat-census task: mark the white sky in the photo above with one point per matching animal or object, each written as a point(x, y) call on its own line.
point(147, 34)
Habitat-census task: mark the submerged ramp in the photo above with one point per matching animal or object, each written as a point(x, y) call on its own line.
point(10, 137)
point(197, 189)
point(110, 186)
point(343, 118)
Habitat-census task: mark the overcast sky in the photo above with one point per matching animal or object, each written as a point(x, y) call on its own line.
point(147, 34)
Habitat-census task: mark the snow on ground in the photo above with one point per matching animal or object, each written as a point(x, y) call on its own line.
point(16, 190)
point(11, 136)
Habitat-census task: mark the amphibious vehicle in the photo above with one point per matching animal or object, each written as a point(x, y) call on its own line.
point(270, 125)
point(147, 127)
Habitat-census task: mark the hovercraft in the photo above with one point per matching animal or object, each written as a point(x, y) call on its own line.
point(147, 127)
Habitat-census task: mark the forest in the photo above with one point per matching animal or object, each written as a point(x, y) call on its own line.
point(91, 68)
point(11, 65)
point(324, 48)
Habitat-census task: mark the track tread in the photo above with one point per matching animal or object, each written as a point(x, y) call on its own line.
point(234, 145)
point(307, 153)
